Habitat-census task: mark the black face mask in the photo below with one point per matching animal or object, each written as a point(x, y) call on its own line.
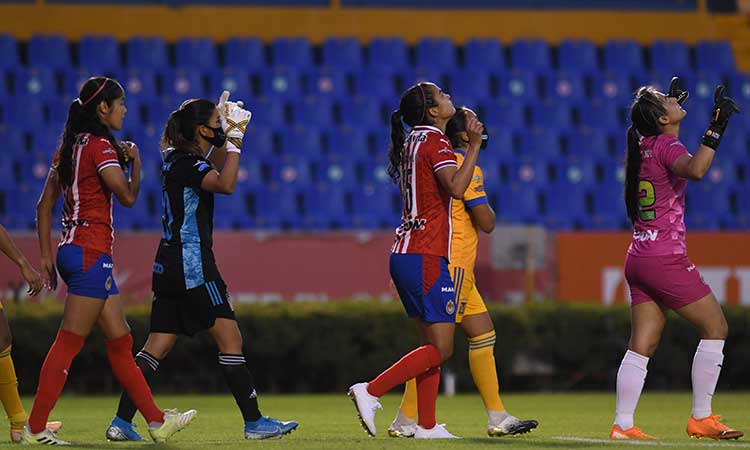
point(219, 139)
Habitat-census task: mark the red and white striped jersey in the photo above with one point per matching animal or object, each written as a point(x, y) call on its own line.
point(87, 202)
point(426, 216)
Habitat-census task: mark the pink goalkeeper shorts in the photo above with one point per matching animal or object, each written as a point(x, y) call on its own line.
point(671, 280)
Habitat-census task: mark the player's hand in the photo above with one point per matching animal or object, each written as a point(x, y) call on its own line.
point(723, 109)
point(131, 151)
point(49, 274)
point(234, 121)
point(33, 278)
point(676, 91)
point(474, 128)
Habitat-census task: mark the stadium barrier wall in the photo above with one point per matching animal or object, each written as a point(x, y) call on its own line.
point(326, 347)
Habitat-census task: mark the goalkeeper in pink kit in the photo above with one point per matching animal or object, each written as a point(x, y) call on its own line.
point(659, 274)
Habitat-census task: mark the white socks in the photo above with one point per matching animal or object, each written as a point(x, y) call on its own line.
point(706, 368)
point(630, 379)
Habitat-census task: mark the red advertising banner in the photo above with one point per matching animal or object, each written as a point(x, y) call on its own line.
point(590, 265)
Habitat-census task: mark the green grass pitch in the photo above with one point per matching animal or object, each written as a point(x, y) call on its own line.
point(567, 421)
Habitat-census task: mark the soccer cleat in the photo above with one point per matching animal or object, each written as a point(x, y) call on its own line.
point(711, 427)
point(510, 426)
point(46, 437)
point(268, 427)
point(436, 432)
point(402, 426)
point(631, 433)
point(16, 434)
point(366, 405)
point(173, 422)
point(120, 430)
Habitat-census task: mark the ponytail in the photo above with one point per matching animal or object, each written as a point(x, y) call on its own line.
point(65, 163)
point(632, 171)
point(181, 130)
point(396, 150)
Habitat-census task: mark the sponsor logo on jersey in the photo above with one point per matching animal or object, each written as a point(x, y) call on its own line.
point(201, 166)
point(413, 225)
point(108, 265)
point(445, 150)
point(647, 235)
point(450, 307)
point(108, 151)
point(417, 138)
point(479, 189)
point(691, 268)
point(447, 289)
point(158, 268)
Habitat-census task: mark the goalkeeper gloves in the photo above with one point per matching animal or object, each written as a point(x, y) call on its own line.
point(723, 109)
point(234, 119)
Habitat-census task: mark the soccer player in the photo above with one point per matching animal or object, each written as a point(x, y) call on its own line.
point(473, 212)
point(423, 164)
point(657, 269)
point(8, 381)
point(86, 171)
point(189, 293)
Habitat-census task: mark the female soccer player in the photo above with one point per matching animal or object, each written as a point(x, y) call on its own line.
point(189, 293)
point(8, 381)
point(473, 212)
point(657, 269)
point(424, 166)
point(87, 170)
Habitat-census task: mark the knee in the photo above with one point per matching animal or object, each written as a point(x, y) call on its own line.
point(717, 329)
point(446, 351)
point(645, 347)
point(5, 340)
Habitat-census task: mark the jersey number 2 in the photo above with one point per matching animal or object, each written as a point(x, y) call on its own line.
point(646, 199)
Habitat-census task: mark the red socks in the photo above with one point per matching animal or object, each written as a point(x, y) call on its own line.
point(427, 392)
point(412, 365)
point(53, 376)
point(120, 353)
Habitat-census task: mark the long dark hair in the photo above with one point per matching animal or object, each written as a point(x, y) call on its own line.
point(644, 116)
point(83, 118)
point(455, 126)
point(412, 111)
point(180, 131)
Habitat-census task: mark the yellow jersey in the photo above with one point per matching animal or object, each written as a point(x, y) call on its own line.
point(465, 233)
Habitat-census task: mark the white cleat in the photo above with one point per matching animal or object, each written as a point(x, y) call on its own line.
point(173, 422)
point(402, 426)
point(436, 432)
point(366, 405)
point(46, 437)
point(510, 425)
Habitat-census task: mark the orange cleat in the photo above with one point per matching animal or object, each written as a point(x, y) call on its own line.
point(711, 427)
point(630, 433)
point(16, 434)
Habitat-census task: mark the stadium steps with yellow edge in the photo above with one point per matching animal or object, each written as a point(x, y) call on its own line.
point(736, 29)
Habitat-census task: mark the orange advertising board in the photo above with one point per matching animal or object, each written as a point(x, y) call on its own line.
point(590, 265)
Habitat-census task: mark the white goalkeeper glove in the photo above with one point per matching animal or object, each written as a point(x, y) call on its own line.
point(234, 119)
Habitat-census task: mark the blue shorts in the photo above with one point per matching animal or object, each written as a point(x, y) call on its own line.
point(87, 279)
point(425, 286)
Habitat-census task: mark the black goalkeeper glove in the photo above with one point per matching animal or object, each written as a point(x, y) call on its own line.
point(723, 109)
point(676, 91)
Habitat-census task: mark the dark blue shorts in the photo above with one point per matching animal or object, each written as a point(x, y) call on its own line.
point(425, 286)
point(87, 273)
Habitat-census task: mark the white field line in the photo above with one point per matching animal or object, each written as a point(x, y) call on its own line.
point(655, 443)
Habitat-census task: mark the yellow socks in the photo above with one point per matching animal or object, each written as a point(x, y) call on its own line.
point(409, 401)
point(484, 371)
point(9, 391)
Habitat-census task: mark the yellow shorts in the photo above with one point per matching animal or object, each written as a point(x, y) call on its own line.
point(468, 298)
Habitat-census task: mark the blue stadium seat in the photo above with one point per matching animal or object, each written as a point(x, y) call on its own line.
point(527, 170)
point(327, 82)
point(588, 142)
point(147, 52)
point(708, 198)
point(578, 56)
point(376, 171)
point(500, 144)
point(232, 79)
point(253, 172)
point(705, 83)
point(484, 54)
point(287, 204)
point(436, 54)
point(361, 111)
point(99, 53)
point(540, 142)
point(565, 206)
point(623, 56)
point(8, 51)
point(301, 140)
point(293, 171)
point(139, 83)
point(388, 53)
point(184, 84)
point(602, 114)
point(268, 112)
point(313, 111)
point(37, 82)
point(670, 56)
point(13, 142)
point(575, 170)
point(74, 79)
point(551, 114)
point(57, 112)
point(566, 86)
point(503, 113)
point(530, 54)
point(159, 109)
point(230, 211)
point(343, 54)
point(613, 85)
point(328, 208)
point(281, 83)
point(735, 144)
point(259, 141)
point(376, 206)
point(196, 53)
point(244, 54)
point(379, 84)
point(609, 207)
point(739, 87)
point(348, 143)
point(468, 84)
point(336, 172)
point(522, 84)
point(24, 112)
point(516, 203)
point(294, 52)
point(49, 50)
point(715, 56)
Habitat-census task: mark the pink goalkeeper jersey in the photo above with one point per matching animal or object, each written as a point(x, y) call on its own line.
point(660, 228)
